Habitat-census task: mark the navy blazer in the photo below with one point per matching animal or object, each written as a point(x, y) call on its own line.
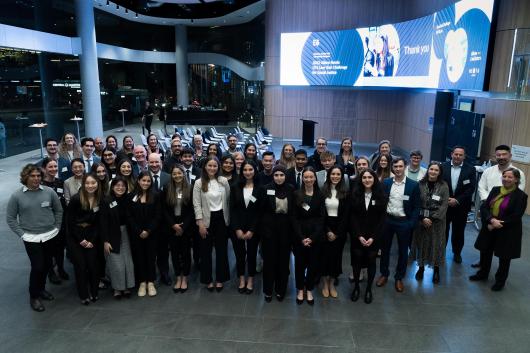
point(412, 206)
point(464, 192)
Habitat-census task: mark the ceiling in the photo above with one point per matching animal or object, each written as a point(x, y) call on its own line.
point(187, 12)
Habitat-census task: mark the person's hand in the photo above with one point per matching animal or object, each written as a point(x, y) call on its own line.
point(203, 232)
point(240, 234)
point(89, 245)
point(369, 242)
point(490, 227)
point(497, 224)
point(427, 223)
point(84, 243)
point(249, 235)
point(144, 234)
point(331, 236)
point(178, 229)
point(307, 242)
point(107, 247)
point(362, 240)
point(452, 202)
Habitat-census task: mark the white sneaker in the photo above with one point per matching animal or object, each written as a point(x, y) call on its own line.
point(151, 290)
point(141, 290)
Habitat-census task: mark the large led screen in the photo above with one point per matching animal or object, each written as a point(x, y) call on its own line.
point(446, 50)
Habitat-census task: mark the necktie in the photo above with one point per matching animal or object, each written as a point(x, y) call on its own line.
point(156, 182)
point(298, 176)
point(89, 164)
point(188, 176)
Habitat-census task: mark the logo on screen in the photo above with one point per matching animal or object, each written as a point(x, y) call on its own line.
point(316, 42)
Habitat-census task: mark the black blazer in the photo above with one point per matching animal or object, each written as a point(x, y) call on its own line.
point(244, 217)
point(76, 215)
point(143, 216)
point(290, 177)
point(309, 223)
point(264, 179)
point(168, 214)
point(115, 213)
point(342, 216)
point(314, 161)
point(195, 174)
point(267, 208)
point(506, 241)
point(467, 182)
point(367, 222)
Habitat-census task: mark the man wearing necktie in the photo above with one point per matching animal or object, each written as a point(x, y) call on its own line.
point(87, 146)
point(294, 175)
point(192, 172)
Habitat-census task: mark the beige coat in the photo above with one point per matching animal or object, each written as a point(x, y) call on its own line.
point(201, 206)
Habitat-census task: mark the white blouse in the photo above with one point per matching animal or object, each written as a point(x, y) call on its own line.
point(215, 196)
point(367, 197)
point(332, 204)
point(247, 193)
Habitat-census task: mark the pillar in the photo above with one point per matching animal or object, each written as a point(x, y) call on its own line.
point(88, 64)
point(181, 59)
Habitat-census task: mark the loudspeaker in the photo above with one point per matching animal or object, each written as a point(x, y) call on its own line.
point(442, 114)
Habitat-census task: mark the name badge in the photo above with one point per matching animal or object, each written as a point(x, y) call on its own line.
point(113, 176)
point(59, 191)
point(45, 204)
point(133, 159)
point(436, 197)
point(65, 169)
point(465, 182)
point(426, 213)
point(113, 204)
point(350, 162)
point(373, 202)
point(179, 195)
point(305, 206)
point(135, 198)
point(193, 177)
point(405, 197)
point(95, 209)
point(252, 198)
point(271, 192)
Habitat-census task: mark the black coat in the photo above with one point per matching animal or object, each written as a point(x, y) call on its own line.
point(267, 208)
point(506, 241)
point(244, 217)
point(309, 222)
point(77, 215)
point(115, 213)
point(143, 216)
point(342, 217)
point(168, 212)
point(290, 177)
point(314, 161)
point(367, 222)
point(467, 182)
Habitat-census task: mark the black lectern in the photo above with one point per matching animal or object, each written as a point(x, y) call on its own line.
point(308, 132)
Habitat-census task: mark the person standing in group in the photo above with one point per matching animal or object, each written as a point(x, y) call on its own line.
point(69, 148)
point(178, 218)
point(50, 168)
point(267, 161)
point(228, 168)
point(127, 149)
point(250, 152)
point(239, 158)
point(89, 159)
point(174, 157)
point(308, 225)
point(99, 145)
point(110, 161)
point(116, 241)
point(276, 208)
point(63, 164)
point(383, 167)
point(461, 180)
point(294, 175)
point(100, 171)
point(140, 160)
point(335, 192)
point(34, 213)
point(414, 170)
point(111, 142)
point(147, 116)
point(287, 156)
point(73, 184)
point(153, 146)
point(144, 216)
point(502, 228)
point(403, 211)
point(346, 157)
point(428, 240)
point(367, 218)
point(85, 226)
point(211, 195)
point(383, 148)
point(314, 159)
point(244, 220)
point(197, 150)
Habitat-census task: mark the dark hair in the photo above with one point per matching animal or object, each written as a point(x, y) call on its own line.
point(171, 189)
point(416, 153)
point(117, 180)
point(130, 179)
point(123, 141)
point(50, 139)
point(357, 160)
point(459, 146)
point(242, 181)
point(83, 195)
point(300, 193)
point(187, 150)
point(255, 159)
point(205, 179)
point(218, 153)
point(516, 173)
point(84, 140)
point(440, 175)
point(46, 161)
point(111, 137)
point(27, 170)
point(503, 148)
point(78, 160)
point(342, 189)
point(300, 151)
point(399, 159)
point(267, 153)
point(358, 190)
point(223, 159)
point(380, 171)
point(138, 191)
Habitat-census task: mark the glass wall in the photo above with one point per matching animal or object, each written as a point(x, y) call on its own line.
point(519, 79)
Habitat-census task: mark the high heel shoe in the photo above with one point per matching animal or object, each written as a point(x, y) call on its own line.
point(298, 300)
point(219, 289)
point(419, 273)
point(355, 294)
point(280, 297)
point(268, 298)
point(210, 287)
point(368, 296)
point(312, 300)
point(249, 290)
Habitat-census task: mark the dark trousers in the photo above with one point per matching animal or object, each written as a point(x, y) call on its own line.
point(306, 262)
point(217, 238)
point(245, 252)
point(40, 257)
point(144, 257)
point(180, 247)
point(403, 232)
point(485, 265)
point(86, 269)
point(58, 250)
point(366, 257)
point(457, 216)
point(162, 251)
point(148, 122)
point(276, 247)
point(332, 257)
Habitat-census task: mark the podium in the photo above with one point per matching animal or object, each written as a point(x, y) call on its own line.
point(308, 133)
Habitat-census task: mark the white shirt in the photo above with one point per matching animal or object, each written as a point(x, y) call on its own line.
point(455, 174)
point(40, 238)
point(215, 195)
point(332, 203)
point(492, 177)
point(395, 201)
point(89, 162)
point(247, 193)
point(367, 198)
point(156, 181)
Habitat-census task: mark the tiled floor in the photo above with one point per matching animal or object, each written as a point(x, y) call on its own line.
point(454, 316)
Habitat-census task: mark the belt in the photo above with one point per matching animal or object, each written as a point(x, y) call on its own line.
point(83, 225)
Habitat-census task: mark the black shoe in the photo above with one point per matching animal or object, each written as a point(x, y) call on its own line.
point(299, 301)
point(436, 276)
point(94, 299)
point(210, 289)
point(249, 290)
point(126, 294)
point(85, 302)
point(368, 296)
point(476, 265)
point(117, 295)
point(268, 298)
point(419, 273)
point(36, 305)
point(242, 290)
point(355, 294)
point(219, 289)
point(176, 290)
point(46, 295)
point(183, 290)
point(63, 275)
point(165, 279)
point(497, 287)
point(54, 279)
point(280, 297)
point(478, 277)
point(457, 258)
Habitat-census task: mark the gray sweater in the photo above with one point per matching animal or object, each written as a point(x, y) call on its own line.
point(34, 211)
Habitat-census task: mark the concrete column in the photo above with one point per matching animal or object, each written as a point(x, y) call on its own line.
point(88, 63)
point(181, 58)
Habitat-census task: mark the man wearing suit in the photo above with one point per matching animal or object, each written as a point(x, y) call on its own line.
point(63, 165)
point(402, 211)
point(186, 159)
point(294, 175)
point(461, 179)
point(140, 162)
point(87, 146)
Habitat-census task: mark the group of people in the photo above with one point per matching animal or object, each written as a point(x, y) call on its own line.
point(120, 213)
